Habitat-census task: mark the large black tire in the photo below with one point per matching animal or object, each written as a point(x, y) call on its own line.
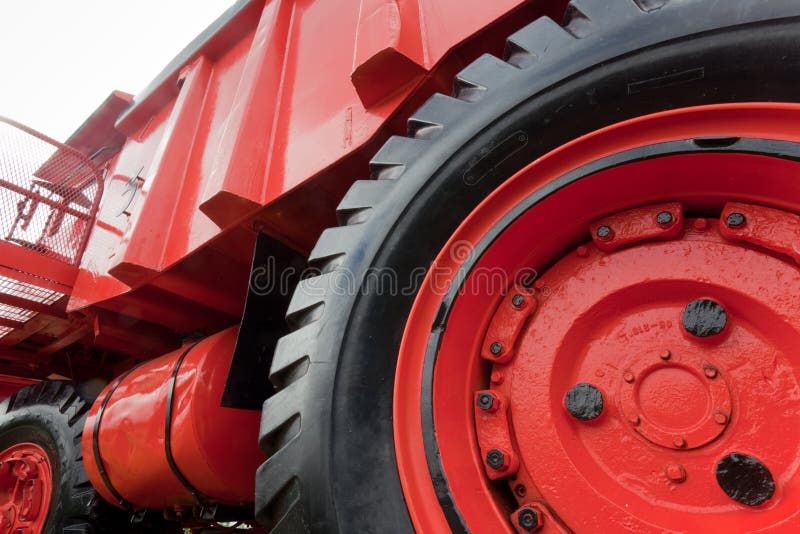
point(328, 429)
point(51, 414)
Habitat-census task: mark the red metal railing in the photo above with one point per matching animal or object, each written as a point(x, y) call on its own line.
point(49, 195)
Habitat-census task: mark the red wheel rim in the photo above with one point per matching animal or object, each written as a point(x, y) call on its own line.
point(26, 483)
point(678, 409)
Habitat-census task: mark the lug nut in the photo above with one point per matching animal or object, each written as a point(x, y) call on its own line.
point(664, 218)
point(496, 459)
point(665, 355)
point(584, 401)
point(485, 401)
point(604, 232)
point(735, 220)
point(675, 472)
point(679, 442)
point(528, 519)
point(710, 371)
point(517, 300)
point(496, 348)
point(745, 479)
point(720, 418)
point(704, 318)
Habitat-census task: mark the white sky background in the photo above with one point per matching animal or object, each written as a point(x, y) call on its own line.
point(59, 59)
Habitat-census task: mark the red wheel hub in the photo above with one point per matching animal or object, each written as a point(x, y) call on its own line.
point(646, 378)
point(674, 404)
point(25, 488)
point(678, 402)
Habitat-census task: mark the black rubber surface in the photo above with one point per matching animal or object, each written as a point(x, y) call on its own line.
point(328, 428)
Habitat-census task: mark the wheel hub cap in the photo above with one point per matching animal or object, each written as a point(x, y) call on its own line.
point(682, 403)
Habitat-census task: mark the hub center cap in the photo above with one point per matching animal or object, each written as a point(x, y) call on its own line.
point(682, 402)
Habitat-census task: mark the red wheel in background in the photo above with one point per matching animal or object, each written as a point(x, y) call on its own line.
point(618, 330)
point(43, 486)
point(26, 483)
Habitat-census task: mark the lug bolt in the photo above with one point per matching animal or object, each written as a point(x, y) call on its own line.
point(635, 420)
point(528, 519)
point(628, 377)
point(704, 318)
point(700, 224)
point(735, 220)
point(584, 401)
point(710, 371)
point(496, 459)
point(720, 418)
point(675, 472)
point(604, 232)
point(486, 401)
point(679, 442)
point(517, 300)
point(665, 355)
point(495, 348)
point(664, 218)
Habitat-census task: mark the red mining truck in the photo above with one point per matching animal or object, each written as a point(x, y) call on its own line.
point(434, 266)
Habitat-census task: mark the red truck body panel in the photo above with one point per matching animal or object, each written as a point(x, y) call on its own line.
point(282, 93)
point(263, 122)
point(260, 124)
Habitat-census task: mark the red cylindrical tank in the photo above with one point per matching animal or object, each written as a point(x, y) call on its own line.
point(214, 448)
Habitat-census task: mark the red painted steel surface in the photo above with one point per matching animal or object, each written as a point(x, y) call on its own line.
point(288, 91)
point(638, 224)
point(601, 311)
point(261, 124)
point(216, 448)
point(26, 484)
point(508, 321)
point(773, 229)
point(494, 435)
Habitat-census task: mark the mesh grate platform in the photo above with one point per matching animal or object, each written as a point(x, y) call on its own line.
point(48, 193)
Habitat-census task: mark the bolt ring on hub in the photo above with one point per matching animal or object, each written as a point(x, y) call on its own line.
point(684, 368)
point(552, 446)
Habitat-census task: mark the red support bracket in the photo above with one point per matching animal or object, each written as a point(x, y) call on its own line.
point(658, 221)
point(507, 323)
point(494, 437)
point(776, 230)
